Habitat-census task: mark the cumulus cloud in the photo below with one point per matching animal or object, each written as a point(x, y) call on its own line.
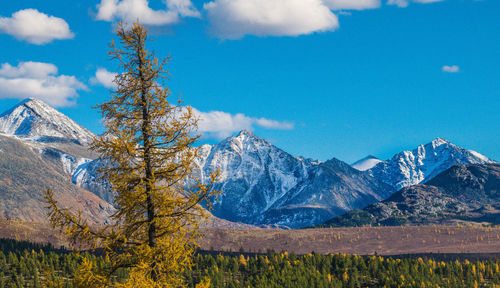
point(104, 77)
point(451, 69)
point(218, 124)
point(232, 19)
point(405, 3)
point(38, 80)
point(352, 4)
point(133, 10)
point(35, 27)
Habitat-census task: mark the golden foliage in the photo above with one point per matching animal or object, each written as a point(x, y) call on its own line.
point(148, 149)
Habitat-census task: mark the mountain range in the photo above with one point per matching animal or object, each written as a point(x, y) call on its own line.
point(462, 193)
point(260, 183)
point(424, 163)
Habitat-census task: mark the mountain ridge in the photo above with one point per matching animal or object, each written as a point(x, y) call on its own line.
point(423, 163)
point(261, 180)
point(469, 193)
point(261, 183)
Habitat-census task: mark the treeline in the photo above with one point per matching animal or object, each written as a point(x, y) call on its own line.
point(341, 270)
point(29, 265)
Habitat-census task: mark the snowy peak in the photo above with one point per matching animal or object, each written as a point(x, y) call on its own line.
point(424, 163)
point(245, 133)
point(245, 137)
point(439, 141)
point(262, 184)
point(366, 163)
point(35, 118)
point(245, 142)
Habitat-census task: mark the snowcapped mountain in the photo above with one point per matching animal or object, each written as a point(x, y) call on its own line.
point(462, 193)
point(262, 184)
point(424, 163)
point(332, 188)
point(35, 119)
point(366, 163)
point(254, 175)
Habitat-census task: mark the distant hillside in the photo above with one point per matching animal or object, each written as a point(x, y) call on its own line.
point(24, 175)
point(469, 193)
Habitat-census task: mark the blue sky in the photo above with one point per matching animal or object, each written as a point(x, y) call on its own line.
point(317, 78)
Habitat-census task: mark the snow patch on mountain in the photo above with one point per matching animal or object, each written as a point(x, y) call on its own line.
point(87, 176)
point(366, 163)
point(69, 163)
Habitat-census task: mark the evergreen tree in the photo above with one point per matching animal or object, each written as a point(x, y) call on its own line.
point(36, 279)
point(148, 147)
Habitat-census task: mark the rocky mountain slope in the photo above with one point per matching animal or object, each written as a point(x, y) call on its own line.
point(25, 174)
point(263, 184)
point(461, 193)
point(424, 163)
point(42, 148)
point(53, 134)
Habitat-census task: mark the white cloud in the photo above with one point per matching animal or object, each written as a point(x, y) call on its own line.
point(352, 4)
point(405, 3)
point(232, 19)
point(29, 69)
point(35, 27)
point(104, 77)
point(451, 69)
point(133, 10)
point(38, 80)
point(218, 124)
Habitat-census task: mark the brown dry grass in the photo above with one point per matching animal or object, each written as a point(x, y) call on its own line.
point(356, 240)
point(32, 232)
point(359, 240)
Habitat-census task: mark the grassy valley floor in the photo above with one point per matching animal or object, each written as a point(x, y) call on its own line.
point(355, 240)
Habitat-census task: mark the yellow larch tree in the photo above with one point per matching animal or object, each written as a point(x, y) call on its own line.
point(148, 149)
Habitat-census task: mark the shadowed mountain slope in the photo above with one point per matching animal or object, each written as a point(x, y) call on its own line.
point(461, 193)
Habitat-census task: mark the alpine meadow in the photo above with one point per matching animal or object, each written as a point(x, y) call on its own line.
point(249, 144)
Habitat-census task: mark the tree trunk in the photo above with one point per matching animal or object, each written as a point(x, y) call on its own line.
point(147, 156)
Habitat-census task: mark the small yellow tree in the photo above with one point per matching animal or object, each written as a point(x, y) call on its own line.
point(148, 147)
